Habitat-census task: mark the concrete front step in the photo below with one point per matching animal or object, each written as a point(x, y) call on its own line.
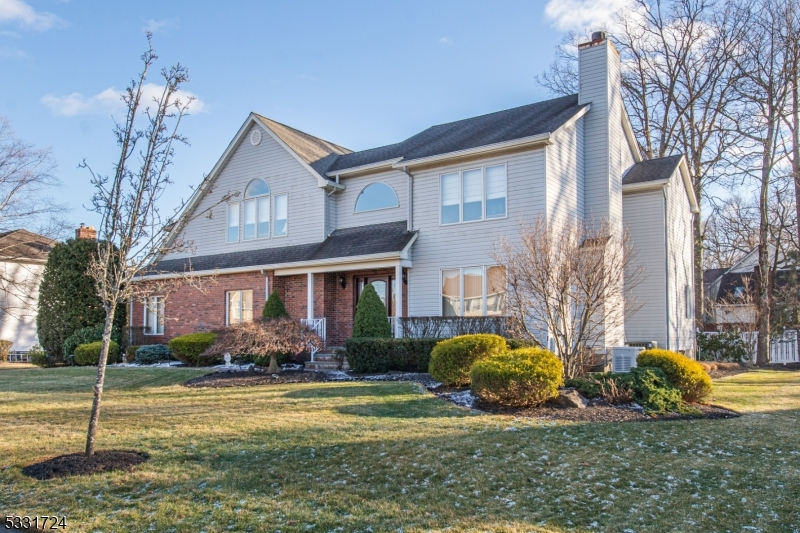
point(329, 364)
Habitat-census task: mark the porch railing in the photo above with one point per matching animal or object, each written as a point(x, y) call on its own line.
point(18, 356)
point(319, 326)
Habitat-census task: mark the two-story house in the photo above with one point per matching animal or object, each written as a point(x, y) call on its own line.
point(417, 219)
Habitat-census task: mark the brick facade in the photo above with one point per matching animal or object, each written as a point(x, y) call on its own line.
point(188, 310)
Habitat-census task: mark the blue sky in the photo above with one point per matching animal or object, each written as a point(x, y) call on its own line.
point(357, 73)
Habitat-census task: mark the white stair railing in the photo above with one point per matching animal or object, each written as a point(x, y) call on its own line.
point(319, 326)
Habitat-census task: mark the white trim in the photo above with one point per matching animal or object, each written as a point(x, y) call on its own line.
point(310, 296)
point(147, 306)
point(646, 186)
point(573, 119)
point(241, 305)
point(627, 128)
point(361, 168)
point(687, 183)
point(379, 208)
point(542, 138)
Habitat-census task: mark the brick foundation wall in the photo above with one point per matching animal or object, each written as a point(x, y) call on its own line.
point(188, 310)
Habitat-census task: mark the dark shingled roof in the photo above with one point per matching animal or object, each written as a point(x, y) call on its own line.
point(502, 126)
point(652, 170)
point(347, 242)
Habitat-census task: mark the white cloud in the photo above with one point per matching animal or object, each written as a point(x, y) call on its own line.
point(110, 101)
point(583, 15)
point(156, 26)
point(446, 41)
point(19, 12)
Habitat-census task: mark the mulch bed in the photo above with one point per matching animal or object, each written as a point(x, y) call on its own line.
point(252, 378)
point(599, 411)
point(78, 464)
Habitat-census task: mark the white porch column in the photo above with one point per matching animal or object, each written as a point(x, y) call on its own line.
point(398, 276)
point(310, 284)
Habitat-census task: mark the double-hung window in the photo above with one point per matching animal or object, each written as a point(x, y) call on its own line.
point(239, 307)
point(474, 291)
point(474, 194)
point(154, 315)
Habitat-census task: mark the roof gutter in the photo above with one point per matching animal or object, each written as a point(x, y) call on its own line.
point(363, 168)
point(646, 186)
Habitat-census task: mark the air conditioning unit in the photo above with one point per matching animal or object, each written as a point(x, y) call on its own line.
point(623, 358)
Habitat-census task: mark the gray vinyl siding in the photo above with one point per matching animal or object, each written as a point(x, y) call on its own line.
point(469, 244)
point(681, 250)
point(644, 218)
point(284, 175)
point(565, 173)
point(346, 217)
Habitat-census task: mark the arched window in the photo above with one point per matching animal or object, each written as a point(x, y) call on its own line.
point(256, 209)
point(376, 196)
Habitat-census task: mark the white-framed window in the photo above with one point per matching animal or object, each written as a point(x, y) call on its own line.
point(256, 210)
point(281, 215)
point(376, 196)
point(474, 291)
point(233, 222)
point(154, 315)
point(473, 194)
point(239, 307)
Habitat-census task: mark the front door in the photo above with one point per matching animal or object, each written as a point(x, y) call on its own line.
point(384, 286)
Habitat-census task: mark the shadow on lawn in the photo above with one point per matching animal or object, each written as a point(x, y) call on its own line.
point(349, 391)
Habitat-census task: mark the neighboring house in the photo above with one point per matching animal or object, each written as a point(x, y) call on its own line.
point(22, 258)
point(418, 219)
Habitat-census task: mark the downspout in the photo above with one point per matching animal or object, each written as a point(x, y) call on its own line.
point(410, 225)
point(325, 222)
point(666, 260)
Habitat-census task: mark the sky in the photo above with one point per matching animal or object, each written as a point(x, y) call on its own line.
point(357, 73)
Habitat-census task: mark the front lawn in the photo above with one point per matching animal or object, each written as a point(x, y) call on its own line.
point(387, 456)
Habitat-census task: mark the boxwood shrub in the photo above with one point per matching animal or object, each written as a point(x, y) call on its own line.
point(525, 377)
point(451, 359)
point(152, 353)
point(89, 354)
point(381, 355)
point(683, 373)
point(188, 349)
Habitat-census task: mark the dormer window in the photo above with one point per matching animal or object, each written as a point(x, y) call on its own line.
point(256, 210)
point(376, 196)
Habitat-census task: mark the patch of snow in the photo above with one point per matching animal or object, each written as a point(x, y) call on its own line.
point(165, 364)
point(463, 398)
point(337, 375)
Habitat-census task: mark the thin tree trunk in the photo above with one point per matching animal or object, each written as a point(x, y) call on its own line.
point(98, 386)
point(699, 290)
point(763, 268)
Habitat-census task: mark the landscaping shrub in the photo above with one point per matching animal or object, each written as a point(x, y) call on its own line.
point(725, 346)
point(525, 377)
point(682, 372)
point(274, 308)
point(371, 320)
point(38, 356)
point(516, 344)
point(89, 354)
point(87, 335)
point(189, 349)
point(130, 353)
point(5, 347)
point(451, 359)
point(649, 387)
point(382, 355)
point(152, 353)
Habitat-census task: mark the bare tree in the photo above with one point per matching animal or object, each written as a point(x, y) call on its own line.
point(678, 77)
point(133, 233)
point(561, 281)
point(26, 182)
point(764, 91)
point(266, 338)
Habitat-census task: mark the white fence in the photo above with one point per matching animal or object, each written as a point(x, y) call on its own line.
point(782, 348)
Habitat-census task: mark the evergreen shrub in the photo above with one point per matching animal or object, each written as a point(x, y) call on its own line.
point(682, 372)
point(371, 320)
point(152, 353)
point(87, 335)
point(274, 308)
point(525, 377)
point(89, 354)
point(189, 349)
point(383, 355)
point(451, 359)
point(37, 356)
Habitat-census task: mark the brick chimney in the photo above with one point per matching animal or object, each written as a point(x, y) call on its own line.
point(85, 232)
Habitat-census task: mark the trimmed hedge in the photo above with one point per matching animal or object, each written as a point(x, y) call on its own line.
point(451, 359)
point(525, 377)
point(152, 353)
point(89, 354)
point(381, 355)
point(38, 356)
point(189, 348)
point(5, 347)
point(683, 373)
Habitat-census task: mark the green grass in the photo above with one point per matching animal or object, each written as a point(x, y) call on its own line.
point(383, 456)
